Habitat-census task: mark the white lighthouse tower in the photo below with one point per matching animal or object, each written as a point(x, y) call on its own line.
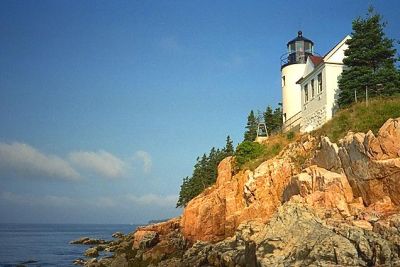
point(292, 69)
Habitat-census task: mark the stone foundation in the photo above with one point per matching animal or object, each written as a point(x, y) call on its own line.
point(314, 120)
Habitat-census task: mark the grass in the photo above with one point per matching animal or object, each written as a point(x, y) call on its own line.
point(357, 118)
point(272, 147)
point(361, 118)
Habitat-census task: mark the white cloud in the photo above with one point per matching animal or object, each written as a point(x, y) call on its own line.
point(102, 163)
point(25, 160)
point(145, 158)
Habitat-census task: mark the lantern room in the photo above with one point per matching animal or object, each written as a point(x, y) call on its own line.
point(298, 50)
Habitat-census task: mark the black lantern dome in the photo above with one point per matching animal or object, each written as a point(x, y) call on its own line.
point(298, 50)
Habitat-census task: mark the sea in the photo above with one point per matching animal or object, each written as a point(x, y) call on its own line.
point(35, 245)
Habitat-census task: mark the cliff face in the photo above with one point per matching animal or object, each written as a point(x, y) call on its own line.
point(362, 169)
point(317, 203)
point(217, 212)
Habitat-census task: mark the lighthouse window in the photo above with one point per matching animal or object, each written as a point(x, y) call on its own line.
point(320, 83)
point(307, 47)
point(291, 48)
point(299, 46)
point(306, 93)
point(283, 81)
point(312, 88)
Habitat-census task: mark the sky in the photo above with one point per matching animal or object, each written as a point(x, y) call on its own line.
point(105, 105)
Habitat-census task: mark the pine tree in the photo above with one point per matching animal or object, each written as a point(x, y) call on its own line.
point(269, 119)
point(184, 193)
point(252, 124)
point(205, 173)
point(228, 149)
point(277, 118)
point(371, 60)
point(273, 119)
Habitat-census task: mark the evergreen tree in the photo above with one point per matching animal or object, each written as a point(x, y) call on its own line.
point(269, 119)
point(252, 124)
point(204, 174)
point(184, 193)
point(229, 149)
point(277, 118)
point(273, 119)
point(371, 60)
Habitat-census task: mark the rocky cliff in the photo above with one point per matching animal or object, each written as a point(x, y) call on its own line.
point(317, 203)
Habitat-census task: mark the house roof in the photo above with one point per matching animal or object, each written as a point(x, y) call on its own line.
point(336, 47)
point(316, 60)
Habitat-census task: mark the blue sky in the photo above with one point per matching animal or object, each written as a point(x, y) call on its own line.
point(105, 105)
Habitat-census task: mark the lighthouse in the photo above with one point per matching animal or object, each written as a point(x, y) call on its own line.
point(293, 64)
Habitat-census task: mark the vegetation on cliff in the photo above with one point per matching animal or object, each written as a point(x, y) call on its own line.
point(272, 119)
point(248, 154)
point(360, 117)
point(371, 59)
point(204, 173)
point(251, 127)
point(247, 151)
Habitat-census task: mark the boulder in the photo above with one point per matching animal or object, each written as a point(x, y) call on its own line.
point(88, 241)
point(369, 178)
point(120, 261)
point(95, 242)
point(296, 236)
point(371, 164)
point(92, 252)
point(323, 189)
point(79, 240)
point(386, 144)
point(327, 156)
point(363, 224)
point(145, 239)
point(117, 235)
point(79, 261)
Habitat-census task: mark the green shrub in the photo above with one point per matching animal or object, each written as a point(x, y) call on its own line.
point(247, 151)
point(290, 136)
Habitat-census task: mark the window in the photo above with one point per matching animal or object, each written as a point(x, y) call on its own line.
point(312, 88)
point(320, 83)
point(308, 47)
point(299, 46)
point(306, 93)
point(283, 81)
point(291, 48)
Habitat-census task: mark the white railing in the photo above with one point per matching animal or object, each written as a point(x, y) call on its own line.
point(292, 122)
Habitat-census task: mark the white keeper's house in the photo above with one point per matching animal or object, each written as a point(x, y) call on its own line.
point(310, 84)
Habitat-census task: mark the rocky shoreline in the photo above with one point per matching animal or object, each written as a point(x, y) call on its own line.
point(317, 203)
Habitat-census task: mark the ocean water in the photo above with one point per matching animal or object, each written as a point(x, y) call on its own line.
point(48, 244)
